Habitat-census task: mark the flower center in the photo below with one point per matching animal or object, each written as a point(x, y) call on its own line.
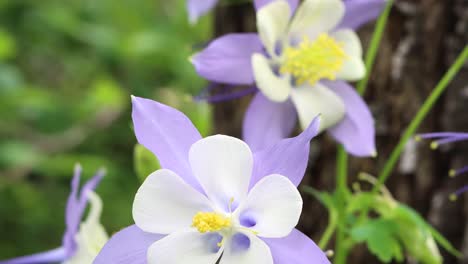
point(314, 60)
point(210, 222)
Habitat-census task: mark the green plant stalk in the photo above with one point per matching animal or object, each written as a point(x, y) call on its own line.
point(374, 46)
point(341, 189)
point(422, 113)
point(332, 218)
point(342, 157)
point(329, 231)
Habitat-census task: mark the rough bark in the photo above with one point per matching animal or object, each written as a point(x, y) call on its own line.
point(421, 41)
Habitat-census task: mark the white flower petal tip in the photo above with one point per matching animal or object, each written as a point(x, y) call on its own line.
point(317, 16)
point(223, 166)
point(92, 236)
point(184, 247)
point(353, 69)
point(350, 42)
point(165, 203)
point(272, 23)
point(274, 204)
point(272, 86)
point(318, 100)
point(246, 248)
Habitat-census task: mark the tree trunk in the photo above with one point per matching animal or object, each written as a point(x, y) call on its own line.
point(421, 41)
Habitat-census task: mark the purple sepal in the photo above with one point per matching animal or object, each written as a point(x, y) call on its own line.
point(56, 255)
point(128, 246)
point(296, 248)
point(267, 122)
point(261, 3)
point(288, 157)
point(228, 59)
point(168, 133)
point(76, 205)
point(360, 12)
point(197, 8)
point(356, 131)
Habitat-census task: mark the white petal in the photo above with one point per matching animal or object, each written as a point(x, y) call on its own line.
point(350, 41)
point(223, 166)
point(92, 236)
point(353, 69)
point(165, 203)
point(311, 101)
point(185, 247)
point(317, 16)
point(257, 252)
point(272, 86)
point(274, 205)
point(272, 22)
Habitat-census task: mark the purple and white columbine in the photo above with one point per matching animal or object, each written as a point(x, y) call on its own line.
point(214, 198)
point(300, 61)
point(443, 138)
point(197, 8)
point(82, 240)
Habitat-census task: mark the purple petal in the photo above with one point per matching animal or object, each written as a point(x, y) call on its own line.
point(128, 246)
point(356, 131)
point(197, 8)
point(296, 248)
point(228, 58)
point(56, 255)
point(359, 12)
point(457, 193)
point(288, 157)
point(76, 208)
point(441, 135)
point(267, 122)
point(72, 216)
point(260, 3)
point(167, 133)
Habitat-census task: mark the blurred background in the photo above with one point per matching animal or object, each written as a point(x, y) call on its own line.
point(67, 69)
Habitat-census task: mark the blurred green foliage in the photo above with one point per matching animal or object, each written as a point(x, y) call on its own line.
point(67, 69)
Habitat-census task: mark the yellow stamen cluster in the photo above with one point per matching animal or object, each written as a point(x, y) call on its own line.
point(314, 60)
point(210, 222)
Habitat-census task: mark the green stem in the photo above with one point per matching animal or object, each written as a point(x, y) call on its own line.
point(328, 202)
point(374, 46)
point(341, 189)
point(341, 169)
point(329, 231)
point(422, 113)
point(342, 157)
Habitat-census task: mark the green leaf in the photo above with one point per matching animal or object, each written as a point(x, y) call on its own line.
point(18, 154)
point(145, 162)
point(325, 198)
point(443, 242)
point(7, 45)
point(107, 93)
point(417, 236)
point(366, 201)
point(380, 239)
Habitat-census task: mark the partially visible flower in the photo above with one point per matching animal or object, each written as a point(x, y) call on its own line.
point(197, 8)
point(81, 243)
point(443, 138)
point(299, 62)
point(214, 198)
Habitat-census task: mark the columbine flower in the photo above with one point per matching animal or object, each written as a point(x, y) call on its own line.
point(214, 198)
point(299, 61)
point(443, 138)
point(81, 243)
point(197, 8)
